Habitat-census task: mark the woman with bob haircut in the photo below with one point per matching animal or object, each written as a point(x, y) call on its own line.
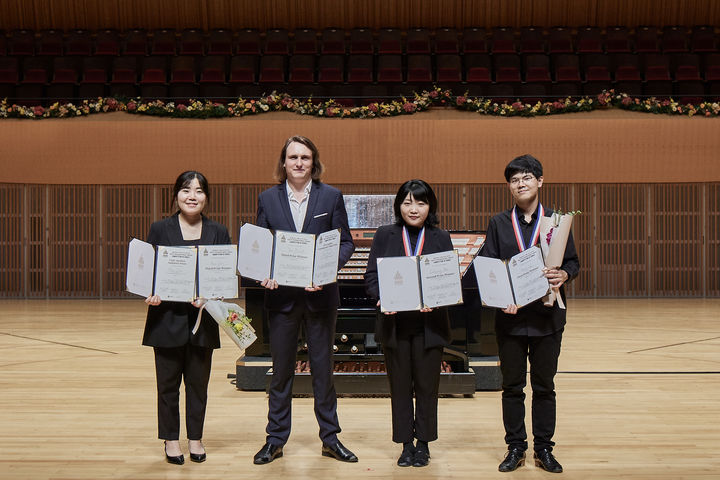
point(412, 341)
point(181, 355)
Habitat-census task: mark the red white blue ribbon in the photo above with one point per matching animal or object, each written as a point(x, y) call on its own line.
point(536, 229)
point(418, 245)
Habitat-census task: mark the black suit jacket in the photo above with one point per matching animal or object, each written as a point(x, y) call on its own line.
point(170, 323)
point(388, 243)
point(325, 211)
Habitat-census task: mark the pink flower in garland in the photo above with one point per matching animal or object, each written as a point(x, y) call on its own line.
point(38, 111)
point(373, 107)
point(182, 107)
point(460, 100)
point(626, 101)
point(409, 107)
point(131, 106)
point(434, 94)
point(518, 106)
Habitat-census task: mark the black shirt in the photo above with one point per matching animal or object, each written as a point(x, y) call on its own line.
point(535, 319)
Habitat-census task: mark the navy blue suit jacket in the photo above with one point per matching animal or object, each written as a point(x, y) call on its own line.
point(325, 211)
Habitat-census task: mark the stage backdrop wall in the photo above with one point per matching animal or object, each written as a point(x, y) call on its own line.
point(207, 14)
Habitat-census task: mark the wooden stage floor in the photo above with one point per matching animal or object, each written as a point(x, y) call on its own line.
point(638, 398)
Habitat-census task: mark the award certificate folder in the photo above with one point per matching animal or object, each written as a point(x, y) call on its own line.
point(290, 258)
point(216, 271)
point(519, 280)
point(424, 281)
point(178, 274)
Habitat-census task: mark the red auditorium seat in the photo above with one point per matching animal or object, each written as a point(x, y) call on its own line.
point(704, 39)
point(389, 69)
point(153, 70)
point(124, 70)
point(182, 69)
point(272, 69)
point(478, 68)
point(675, 39)
point(49, 43)
point(418, 41)
point(65, 70)
point(589, 40)
point(331, 69)
point(21, 43)
point(135, 42)
point(9, 70)
point(36, 70)
point(532, 40)
point(419, 69)
point(332, 41)
point(447, 41)
point(560, 40)
point(220, 42)
point(685, 67)
point(164, 42)
point(192, 42)
point(360, 69)
point(503, 40)
point(248, 42)
point(537, 68)
point(301, 69)
point(449, 69)
point(618, 40)
point(243, 69)
point(277, 42)
point(507, 68)
point(78, 43)
point(304, 42)
point(647, 40)
point(625, 67)
point(107, 42)
point(95, 70)
point(389, 41)
point(711, 67)
point(596, 67)
point(474, 40)
point(361, 41)
point(213, 69)
point(566, 67)
point(656, 67)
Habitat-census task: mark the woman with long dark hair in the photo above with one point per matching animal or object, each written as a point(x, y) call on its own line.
point(412, 341)
point(181, 355)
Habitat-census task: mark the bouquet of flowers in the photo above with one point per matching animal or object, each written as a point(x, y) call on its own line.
point(233, 321)
point(554, 233)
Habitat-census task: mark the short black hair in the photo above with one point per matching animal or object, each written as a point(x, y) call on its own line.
point(184, 179)
point(524, 164)
point(421, 191)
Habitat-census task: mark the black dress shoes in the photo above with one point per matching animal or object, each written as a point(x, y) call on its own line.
point(267, 454)
point(514, 458)
point(198, 457)
point(421, 458)
point(406, 457)
point(175, 460)
point(338, 451)
point(545, 460)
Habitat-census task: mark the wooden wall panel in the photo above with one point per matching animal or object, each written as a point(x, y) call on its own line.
point(73, 241)
point(677, 240)
point(712, 240)
point(124, 14)
point(12, 240)
point(622, 240)
point(38, 219)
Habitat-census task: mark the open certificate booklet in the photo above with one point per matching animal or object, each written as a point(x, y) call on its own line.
point(290, 258)
point(424, 281)
point(519, 280)
point(179, 274)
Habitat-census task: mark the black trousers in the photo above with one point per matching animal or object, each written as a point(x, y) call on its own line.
point(320, 332)
point(173, 365)
point(543, 353)
point(411, 368)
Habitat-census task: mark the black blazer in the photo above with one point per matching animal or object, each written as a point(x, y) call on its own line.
point(325, 211)
point(388, 243)
point(170, 323)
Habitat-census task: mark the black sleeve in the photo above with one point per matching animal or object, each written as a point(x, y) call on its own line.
point(571, 262)
point(491, 246)
point(371, 276)
point(154, 236)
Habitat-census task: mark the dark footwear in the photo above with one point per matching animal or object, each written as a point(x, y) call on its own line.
point(545, 460)
point(514, 458)
point(406, 457)
point(421, 458)
point(267, 454)
point(198, 457)
point(338, 451)
point(178, 460)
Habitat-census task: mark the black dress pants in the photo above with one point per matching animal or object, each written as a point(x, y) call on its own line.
point(320, 332)
point(173, 365)
point(543, 353)
point(412, 368)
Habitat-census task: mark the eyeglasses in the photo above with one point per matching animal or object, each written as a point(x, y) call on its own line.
point(525, 179)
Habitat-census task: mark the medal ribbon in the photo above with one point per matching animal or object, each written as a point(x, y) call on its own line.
point(536, 229)
point(418, 245)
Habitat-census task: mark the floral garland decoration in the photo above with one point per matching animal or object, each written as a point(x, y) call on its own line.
point(436, 97)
